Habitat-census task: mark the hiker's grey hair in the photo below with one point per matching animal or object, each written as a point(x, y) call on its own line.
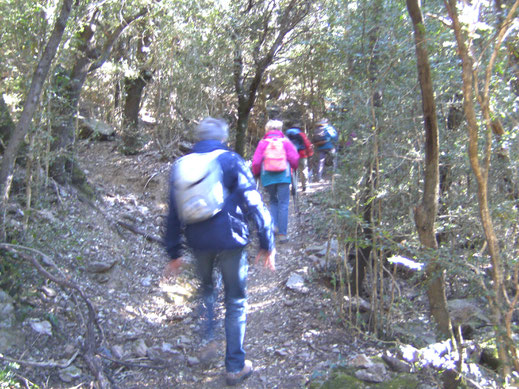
point(273, 125)
point(211, 128)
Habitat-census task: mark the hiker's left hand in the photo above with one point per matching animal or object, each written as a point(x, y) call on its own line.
point(268, 258)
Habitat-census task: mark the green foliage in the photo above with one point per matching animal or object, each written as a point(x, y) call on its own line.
point(7, 377)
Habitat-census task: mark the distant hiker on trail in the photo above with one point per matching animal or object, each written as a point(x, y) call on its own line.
point(304, 148)
point(273, 160)
point(211, 197)
point(324, 138)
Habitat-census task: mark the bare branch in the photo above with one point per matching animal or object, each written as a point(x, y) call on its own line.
point(441, 19)
point(112, 38)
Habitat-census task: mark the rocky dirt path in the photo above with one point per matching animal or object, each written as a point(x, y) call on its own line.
point(291, 334)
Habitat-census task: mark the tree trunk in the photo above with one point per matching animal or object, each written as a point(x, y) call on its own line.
point(241, 130)
point(294, 12)
point(30, 105)
point(363, 252)
point(426, 212)
point(246, 95)
point(134, 88)
point(371, 205)
point(68, 86)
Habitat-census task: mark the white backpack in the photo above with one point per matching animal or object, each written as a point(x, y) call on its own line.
point(198, 184)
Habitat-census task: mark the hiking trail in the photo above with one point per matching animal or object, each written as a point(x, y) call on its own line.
point(290, 334)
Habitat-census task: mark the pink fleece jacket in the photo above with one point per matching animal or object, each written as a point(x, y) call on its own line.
point(257, 159)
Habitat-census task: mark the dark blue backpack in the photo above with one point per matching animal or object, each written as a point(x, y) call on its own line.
point(294, 135)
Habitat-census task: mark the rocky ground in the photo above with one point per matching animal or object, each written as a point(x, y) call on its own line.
point(148, 325)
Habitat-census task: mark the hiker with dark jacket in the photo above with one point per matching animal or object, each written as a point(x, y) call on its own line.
point(220, 241)
point(276, 183)
point(305, 150)
point(324, 139)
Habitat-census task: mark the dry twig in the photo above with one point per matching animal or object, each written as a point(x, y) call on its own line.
point(47, 364)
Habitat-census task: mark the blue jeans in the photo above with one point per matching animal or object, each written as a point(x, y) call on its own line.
point(233, 266)
point(279, 198)
point(322, 162)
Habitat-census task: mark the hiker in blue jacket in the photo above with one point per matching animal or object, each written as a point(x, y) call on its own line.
point(324, 139)
point(220, 241)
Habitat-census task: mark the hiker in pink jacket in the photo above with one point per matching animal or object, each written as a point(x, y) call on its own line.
point(273, 164)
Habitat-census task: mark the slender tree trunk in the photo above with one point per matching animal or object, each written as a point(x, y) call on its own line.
point(426, 212)
point(64, 104)
point(363, 252)
point(498, 300)
point(370, 203)
point(30, 105)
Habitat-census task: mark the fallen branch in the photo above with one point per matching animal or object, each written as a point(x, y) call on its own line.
point(132, 228)
point(49, 364)
point(131, 364)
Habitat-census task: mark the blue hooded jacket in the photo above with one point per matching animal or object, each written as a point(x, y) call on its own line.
point(331, 138)
point(229, 228)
